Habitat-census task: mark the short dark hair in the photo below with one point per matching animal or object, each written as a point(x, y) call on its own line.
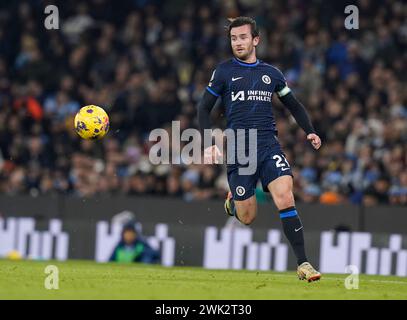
point(242, 21)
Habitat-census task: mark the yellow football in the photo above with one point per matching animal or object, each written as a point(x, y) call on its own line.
point(91, 122)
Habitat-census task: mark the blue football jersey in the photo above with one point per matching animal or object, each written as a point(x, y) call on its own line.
point(246, 90)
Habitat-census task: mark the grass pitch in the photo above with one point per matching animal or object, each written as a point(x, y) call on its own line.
point(90, 280)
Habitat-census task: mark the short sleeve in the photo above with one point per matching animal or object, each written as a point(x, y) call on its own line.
point(216, 83)
point(281, 87)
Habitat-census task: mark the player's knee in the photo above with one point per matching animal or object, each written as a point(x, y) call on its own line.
point(284, 200)
point(246, 216)
point(246, 219)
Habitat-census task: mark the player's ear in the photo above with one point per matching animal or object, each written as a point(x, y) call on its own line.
point(256, 41)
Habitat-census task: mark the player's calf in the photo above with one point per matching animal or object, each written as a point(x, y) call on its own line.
point(293, 230)
point(245, 210)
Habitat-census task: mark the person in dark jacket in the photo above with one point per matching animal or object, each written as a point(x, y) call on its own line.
point(132, 248)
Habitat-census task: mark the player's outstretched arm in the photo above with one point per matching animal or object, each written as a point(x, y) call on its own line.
point(301, 116)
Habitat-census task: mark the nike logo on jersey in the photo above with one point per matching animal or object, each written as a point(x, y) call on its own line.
point(284, 169)
point(234, 79)
point(296, 230)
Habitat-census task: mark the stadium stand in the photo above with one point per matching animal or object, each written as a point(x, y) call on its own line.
point(148, 64)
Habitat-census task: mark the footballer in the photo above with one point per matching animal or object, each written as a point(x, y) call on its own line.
point(245, 84)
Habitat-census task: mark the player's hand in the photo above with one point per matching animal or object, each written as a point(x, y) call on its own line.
point(315, 140)
point(212, 154)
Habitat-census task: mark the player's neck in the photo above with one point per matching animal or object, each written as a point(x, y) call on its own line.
point(251, 59)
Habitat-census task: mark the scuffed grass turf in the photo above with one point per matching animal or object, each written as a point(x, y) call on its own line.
point(90, 280)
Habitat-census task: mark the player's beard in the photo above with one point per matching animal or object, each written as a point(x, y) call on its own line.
point(243, 54)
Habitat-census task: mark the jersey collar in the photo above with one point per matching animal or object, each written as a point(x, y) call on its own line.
point(245, 64)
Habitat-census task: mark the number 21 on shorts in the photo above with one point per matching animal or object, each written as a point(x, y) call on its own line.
point(280, 163)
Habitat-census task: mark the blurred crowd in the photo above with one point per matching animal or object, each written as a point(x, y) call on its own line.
point(148, 62)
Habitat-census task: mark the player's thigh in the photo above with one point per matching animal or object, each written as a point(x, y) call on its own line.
point(276, 177)
point(247, 208)
point(281, 190)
